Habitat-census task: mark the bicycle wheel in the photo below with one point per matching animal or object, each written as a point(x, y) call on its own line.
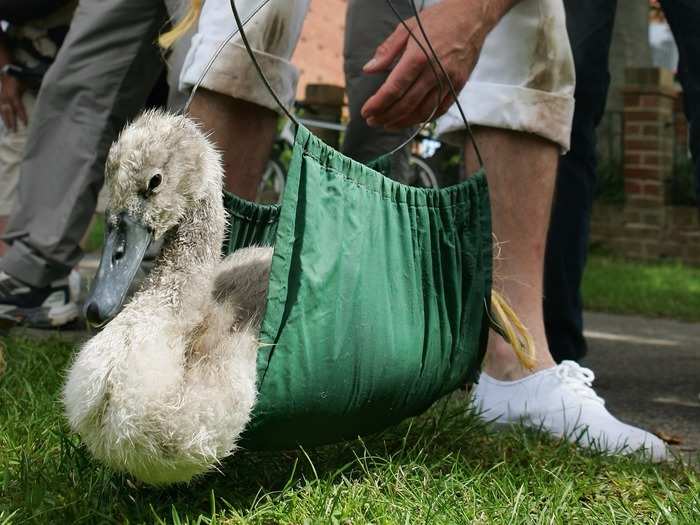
point(272, 184)
point(421, 174)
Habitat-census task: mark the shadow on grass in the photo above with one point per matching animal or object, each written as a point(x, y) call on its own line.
point(433, 463)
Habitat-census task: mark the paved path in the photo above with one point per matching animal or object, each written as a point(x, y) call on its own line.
point(648, 371)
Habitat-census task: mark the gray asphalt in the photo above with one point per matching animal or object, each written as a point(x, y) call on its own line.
point(648, 371)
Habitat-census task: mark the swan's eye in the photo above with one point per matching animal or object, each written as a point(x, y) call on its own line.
point(154, 182)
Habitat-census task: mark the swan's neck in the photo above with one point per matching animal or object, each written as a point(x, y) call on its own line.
point(191, 251)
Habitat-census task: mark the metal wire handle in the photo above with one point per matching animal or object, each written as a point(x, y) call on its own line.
point(289, 114)
point(453, 92)
point(257, 65)
point(218, 52)
point(432, 58)
point(420, 128)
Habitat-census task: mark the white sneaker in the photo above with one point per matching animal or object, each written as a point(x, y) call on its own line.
point(560, 401)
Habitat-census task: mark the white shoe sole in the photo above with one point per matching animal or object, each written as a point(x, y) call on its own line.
point(64, 314)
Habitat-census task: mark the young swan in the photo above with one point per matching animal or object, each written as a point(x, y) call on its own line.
point(165, 389)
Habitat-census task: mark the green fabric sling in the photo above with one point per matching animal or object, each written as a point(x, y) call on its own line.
point(377, 298)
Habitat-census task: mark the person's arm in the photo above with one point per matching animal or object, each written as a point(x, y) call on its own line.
point(457, 30)
point(11, 89)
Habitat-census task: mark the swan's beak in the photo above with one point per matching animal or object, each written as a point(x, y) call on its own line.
point(122, 254)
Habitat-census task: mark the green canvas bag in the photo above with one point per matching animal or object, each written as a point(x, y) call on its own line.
point(377, 302)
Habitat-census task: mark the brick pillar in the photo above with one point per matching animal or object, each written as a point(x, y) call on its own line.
point(681, 125)
point(324, 102)
point(649, 98)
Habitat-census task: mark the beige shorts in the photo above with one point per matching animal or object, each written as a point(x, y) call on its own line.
point(524, 79)
point(273, 33)
point(11, 154)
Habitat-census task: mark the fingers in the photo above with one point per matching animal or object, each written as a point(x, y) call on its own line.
point(420, 114)
point(387, 52)
point(445, 105)
point(19, 110)
point(402, 77)
point(413, 105)
point(8, 116)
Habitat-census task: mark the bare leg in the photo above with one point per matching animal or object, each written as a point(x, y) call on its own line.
point(521, 170)
point(244, 132)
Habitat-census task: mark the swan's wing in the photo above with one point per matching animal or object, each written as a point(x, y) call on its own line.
point(241, 283)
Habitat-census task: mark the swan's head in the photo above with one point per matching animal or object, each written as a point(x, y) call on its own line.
point(160, 168)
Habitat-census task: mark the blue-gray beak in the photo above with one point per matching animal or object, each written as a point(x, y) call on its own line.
point(124, 249)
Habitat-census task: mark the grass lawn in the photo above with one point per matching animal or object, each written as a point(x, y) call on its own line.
point(443, 467)
point(654, 290)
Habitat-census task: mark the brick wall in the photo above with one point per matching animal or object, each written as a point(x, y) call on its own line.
point(646, 227)
point(319, 53)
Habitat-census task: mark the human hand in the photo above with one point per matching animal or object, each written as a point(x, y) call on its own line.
point(11, 106)
point(457, 30)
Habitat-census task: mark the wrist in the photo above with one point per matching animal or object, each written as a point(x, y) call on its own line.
point(494, 10)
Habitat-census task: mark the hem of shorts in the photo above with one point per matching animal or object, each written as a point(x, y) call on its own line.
point(239, 78)
point(543, 113)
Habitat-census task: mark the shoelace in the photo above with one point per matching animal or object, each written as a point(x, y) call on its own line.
point(579, 379)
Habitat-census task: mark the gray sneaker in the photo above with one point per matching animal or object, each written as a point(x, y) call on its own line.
point(50, 307)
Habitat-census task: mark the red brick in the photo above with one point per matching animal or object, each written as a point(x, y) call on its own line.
point(641, 173)
point(650, 101)
point(632, 100)
point(632, 129)
point(632, 187)
point(319, 54)
point(651, 218)
point(638, 200)
point(641, 145)
point(678, 105)
point(693, 252)
point(636, 115)
point(652, 189)
point(629, 248)
point(651, 159)
point(650, 129)
point(632, 215)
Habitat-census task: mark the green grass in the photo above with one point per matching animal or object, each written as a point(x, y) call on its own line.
point(94, 239)
point(654, 290)
point(443, 467)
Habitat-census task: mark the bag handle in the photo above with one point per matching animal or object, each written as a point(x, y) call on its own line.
point(453, 92)
point(432, 60)
point(257, 65)
point(216, 54)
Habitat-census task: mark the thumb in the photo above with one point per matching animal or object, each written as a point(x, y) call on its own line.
point(20, 111)
point(388, 51)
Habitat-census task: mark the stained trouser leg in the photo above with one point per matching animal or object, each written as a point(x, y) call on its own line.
point(368, 24)
point(590, 27)
point(684, 18)
point(100, 78)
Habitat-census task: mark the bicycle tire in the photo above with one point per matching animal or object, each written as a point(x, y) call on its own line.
point(423, 175)
point(272, 183)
